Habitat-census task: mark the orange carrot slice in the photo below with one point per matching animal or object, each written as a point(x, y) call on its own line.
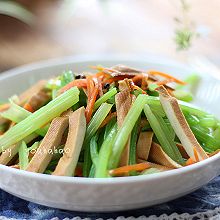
point(190, 161)
point(125, 169)
point(153, 72)
point(92, 95)
point(196, 154)
point(80, 83)
point(28, 107)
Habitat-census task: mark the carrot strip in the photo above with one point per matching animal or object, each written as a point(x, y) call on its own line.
point(28, 107)
point(80, 83)
point(4, 107)
point(90, 86)
point(196, 154)
point(153, 72)
point(101, 75)
point(92, 95)
point(126, 169)
point(108, 119)
point(190, 161)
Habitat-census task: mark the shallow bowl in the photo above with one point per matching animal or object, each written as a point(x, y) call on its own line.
point(85, 194)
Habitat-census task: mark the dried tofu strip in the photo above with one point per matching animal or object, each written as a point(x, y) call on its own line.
point(38, 100)
point(157, 155)
point(123, 103)
point(154, 165)
point(124, 85)
point(11, 152)
point(125, 69)
point(50, 142)
point(67, 113)
point(122, 70)
point(182, 151)
point(8, 154)
point(144, 144)
point(77, 128)
point(180, 125)
point(23, 97)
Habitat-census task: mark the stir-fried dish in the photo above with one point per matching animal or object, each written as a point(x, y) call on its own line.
point(118, 121)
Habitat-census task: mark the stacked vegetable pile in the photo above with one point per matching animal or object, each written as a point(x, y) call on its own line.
point(119, 121)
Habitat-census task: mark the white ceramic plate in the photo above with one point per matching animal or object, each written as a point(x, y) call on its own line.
point(113, 194)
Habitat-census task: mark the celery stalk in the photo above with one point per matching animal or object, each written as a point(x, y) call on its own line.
point(93, 126)
point(104, 154)
point(163, 135)
point(185, 107)
point(183, 95)
point(133, 144)
point(92, 171)
point(16, 114)
point(97, 120)
point(109, 127)
point(94, 150)
point(23, 153)
point(34, 146)
point(125, 130)
point(210, 122)
point(105, 97)
point(39, 118)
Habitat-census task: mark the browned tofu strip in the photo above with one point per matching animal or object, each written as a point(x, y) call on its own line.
point(23, 97)
point(50, 142)
point(7, 155)
point(123, 104)
point(182, 151)
point(180, 125)
point(77, 128)
point(154, 165)
point(11, 152)
point(122, 70)
point(157, 155)
point(144, 144)
point(38, 99)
